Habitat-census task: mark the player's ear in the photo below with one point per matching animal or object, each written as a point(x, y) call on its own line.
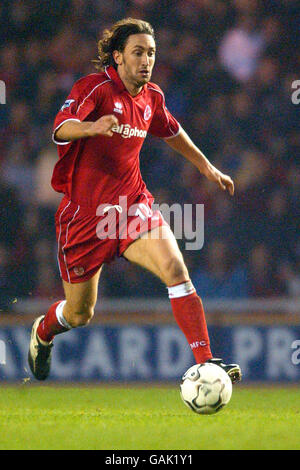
point(117, 55)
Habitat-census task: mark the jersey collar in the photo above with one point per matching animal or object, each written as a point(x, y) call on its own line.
point(114, 76)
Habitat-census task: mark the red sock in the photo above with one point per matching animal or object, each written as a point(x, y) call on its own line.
point(189, 314)
point(50, 326)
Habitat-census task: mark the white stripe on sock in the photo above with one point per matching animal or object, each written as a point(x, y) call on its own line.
point(181, 290)
point(60, 317)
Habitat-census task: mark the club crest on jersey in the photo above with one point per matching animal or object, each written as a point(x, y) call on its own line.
point(67, 104)
point(127, 131)
point(118, 107)
point(79, 270)
point(147, 113)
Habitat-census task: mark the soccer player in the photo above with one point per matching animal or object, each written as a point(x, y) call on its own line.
point(99, 132)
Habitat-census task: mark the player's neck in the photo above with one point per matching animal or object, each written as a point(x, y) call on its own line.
point(132, 88)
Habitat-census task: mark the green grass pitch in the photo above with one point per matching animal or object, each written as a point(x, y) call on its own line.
point(144, 417)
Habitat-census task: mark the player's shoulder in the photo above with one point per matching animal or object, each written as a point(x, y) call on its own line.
point(154, 88)
point(90, 82)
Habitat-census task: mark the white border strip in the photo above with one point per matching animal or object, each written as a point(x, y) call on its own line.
point(181, 290)
point(60, 236)
point(53, 134)
point(164, 108)
point(63, 248)
point(174, 135)
point(106, 72)
point(102, 83)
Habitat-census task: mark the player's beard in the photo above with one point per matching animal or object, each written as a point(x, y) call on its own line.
point(140, 83)
point(135, 79)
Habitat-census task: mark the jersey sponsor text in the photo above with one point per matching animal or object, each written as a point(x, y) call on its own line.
point(127, 131)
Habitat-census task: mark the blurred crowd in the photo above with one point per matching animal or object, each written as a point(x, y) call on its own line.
point(227, 69)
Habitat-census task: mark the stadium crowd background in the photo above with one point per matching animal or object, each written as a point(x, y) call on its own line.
point(226, 68)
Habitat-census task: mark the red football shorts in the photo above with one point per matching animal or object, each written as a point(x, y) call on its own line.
point(87, 240)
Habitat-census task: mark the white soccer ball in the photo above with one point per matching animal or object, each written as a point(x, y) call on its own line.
point(206, 388)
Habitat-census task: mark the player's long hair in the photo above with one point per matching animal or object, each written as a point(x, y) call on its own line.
point(114, 39)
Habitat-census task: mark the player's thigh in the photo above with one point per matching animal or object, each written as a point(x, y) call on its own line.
point(81, 297)
point(158, 252)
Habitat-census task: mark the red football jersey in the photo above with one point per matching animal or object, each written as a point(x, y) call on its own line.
point(98, 170)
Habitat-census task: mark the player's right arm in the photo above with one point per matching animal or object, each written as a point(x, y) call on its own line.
point(74, 130)
point(77, 118)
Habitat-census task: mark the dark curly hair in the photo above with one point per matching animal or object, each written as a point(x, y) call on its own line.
point(114, 39)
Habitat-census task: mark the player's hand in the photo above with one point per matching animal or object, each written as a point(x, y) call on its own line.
point(103, 126)
point(224, 181)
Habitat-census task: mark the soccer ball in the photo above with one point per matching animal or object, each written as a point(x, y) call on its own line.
point(206, 388)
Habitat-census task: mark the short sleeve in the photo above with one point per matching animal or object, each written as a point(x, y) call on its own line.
point(80, 103)
point(163, 124)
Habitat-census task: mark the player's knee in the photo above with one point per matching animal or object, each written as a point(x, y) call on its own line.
point(81, 316)
point(175, 271)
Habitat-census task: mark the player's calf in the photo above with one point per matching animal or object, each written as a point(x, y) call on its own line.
point(78, 316)
point(53, 323)
point(59, 319)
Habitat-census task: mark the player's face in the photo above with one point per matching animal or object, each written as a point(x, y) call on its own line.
point(136, 62)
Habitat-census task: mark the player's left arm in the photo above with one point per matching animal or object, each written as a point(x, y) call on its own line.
point(182, 144)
